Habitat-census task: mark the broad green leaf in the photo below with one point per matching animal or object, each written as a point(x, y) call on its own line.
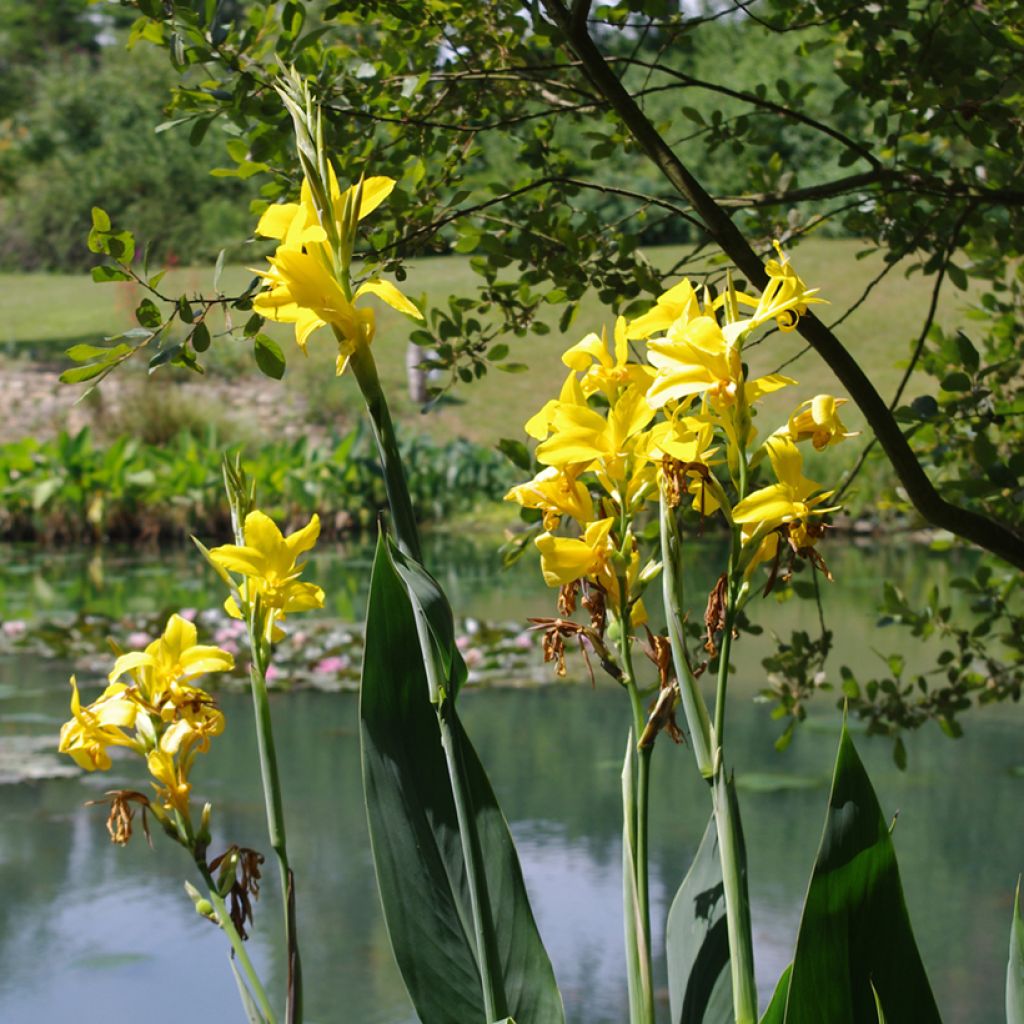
point(414, 832)
point(429, 599)
point(855, 942)
point(697, 941)
point(1015, 967)
point(776, 1010)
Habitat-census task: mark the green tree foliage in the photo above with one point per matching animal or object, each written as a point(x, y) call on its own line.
point(86, 138)
point(550, 141)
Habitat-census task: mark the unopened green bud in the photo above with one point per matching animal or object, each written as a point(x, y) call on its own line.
point(204, 908)
point(226, 874)
point(203, 833)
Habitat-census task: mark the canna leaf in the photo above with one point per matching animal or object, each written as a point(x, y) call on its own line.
point(776, 1010)
point(1015, 967)
point(697, 941)
point(414, 832)
point(855, 952)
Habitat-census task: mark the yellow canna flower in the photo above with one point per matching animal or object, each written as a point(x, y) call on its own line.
point(785, 298)
point(556, 493)
point(268, 561)
point(162, 671)
point(677, 306)
point(818, 419)
point(583, 435)
point(305, 285)
point(564, 559)
point(539, 425)
point(91, 730)
point(699, 359)
point(608, 372)
point(794, 497)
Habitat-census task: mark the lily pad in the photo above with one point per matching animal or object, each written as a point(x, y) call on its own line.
point(29, 758)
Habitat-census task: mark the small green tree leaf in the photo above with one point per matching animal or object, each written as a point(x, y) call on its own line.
point(269, 357)
point(516, 452)
point(201, 337)
point(104, 273)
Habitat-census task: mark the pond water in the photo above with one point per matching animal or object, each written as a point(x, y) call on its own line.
point(96, 933)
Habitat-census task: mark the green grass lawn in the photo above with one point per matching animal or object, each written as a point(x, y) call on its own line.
point(46, 313)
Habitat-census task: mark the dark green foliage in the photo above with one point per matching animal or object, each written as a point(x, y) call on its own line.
point(86, 139)
point(71, 489)
point(415, 832)
point(855, 944)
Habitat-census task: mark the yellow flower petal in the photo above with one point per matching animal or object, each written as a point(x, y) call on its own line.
point(387, 292)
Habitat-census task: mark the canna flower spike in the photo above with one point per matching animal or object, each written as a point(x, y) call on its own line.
point(160, 714)
point(308, 283)
point(268, 563)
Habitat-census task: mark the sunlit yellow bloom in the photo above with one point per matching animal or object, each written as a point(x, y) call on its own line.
point(687, 440)
point(818, 420)
point(539, 425)
point(269, 563)
point(582, 435)
point(564, 559)
point(794, 497)
point(171, 760)
point(164, 669)
point(91, 730)
point(608, 372)
point(304, 286)
point(683, 438)
point(785, 298)
point(679, 305)
point(283, 220)
point(556, 493)
point(171, 775)
point(700, 360)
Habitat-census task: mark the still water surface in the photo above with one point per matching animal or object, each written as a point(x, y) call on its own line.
point(93, 933)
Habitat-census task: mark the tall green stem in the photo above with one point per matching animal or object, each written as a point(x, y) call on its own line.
point(407, 533)
point(402, 516)
point(708, 752)
point(695, 709)
point(259, 647)
point(237, 944)
point(276, 830)
point(635, 832)
point(732, 857)
point(727, 814)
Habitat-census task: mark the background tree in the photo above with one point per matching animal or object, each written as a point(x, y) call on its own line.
point(550, 141)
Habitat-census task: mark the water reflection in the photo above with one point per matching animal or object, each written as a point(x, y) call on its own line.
point(88, 928)
point(95, 933)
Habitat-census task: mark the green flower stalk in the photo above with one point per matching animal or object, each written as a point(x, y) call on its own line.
point(154, 708)
point(310, 285)
point(619, 435)
point(267, 590)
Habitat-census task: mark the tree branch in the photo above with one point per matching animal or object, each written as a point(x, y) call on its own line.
point(984, 532)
